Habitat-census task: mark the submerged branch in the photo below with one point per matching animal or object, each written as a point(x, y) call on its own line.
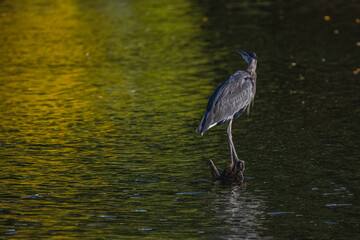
point(233, 173)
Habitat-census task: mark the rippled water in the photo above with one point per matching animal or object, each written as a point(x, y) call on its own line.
point(99, 101)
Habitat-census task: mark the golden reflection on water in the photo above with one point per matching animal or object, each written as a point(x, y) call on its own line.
point(88, 94)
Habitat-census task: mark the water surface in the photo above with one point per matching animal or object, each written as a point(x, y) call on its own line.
point(99, 101)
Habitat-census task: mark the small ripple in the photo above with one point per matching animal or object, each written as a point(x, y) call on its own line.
point(201, 180)
point(32, 197)
point(145, 229)
point(11, 231)
point(187, 193)
point(143, 180)
point(331, 223)
point(338, 204)
point(247, 177)
point(20, 224)
point(107, 216)
point(278, 213)
point(151, 181)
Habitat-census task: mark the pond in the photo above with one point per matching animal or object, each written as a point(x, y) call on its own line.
point(99, 102)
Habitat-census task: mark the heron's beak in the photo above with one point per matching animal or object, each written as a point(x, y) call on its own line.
point(241, 52)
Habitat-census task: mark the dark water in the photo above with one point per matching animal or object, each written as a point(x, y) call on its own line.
point(99, 101)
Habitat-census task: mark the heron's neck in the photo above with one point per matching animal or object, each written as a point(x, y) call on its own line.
point(252, 68)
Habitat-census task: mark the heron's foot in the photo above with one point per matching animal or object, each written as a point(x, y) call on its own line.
point(240, 164)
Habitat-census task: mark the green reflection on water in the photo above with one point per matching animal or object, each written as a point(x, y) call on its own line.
point(100, 100)
point(95, 98)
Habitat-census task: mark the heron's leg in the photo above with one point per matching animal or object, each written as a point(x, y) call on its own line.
point(231, 154)
point(234, 151)
point(237, 158)
point(232, 148)
point(231, 145)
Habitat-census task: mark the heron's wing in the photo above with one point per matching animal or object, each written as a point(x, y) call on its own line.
point(230, 97)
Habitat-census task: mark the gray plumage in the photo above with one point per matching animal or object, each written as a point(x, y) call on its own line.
point(231, 99)
point(228, 101)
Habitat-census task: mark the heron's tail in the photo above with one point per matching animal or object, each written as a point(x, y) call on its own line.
point(203, 126)
point(200, 128)
point(202, 133)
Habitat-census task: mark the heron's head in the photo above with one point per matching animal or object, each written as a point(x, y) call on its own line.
point(248, 56)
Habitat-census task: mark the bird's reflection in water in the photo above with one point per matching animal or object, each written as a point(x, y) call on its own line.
point(240, 211)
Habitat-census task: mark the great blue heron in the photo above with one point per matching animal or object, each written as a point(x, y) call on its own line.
point(231, 99)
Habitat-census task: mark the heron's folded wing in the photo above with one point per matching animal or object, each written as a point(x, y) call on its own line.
point(232, 96)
